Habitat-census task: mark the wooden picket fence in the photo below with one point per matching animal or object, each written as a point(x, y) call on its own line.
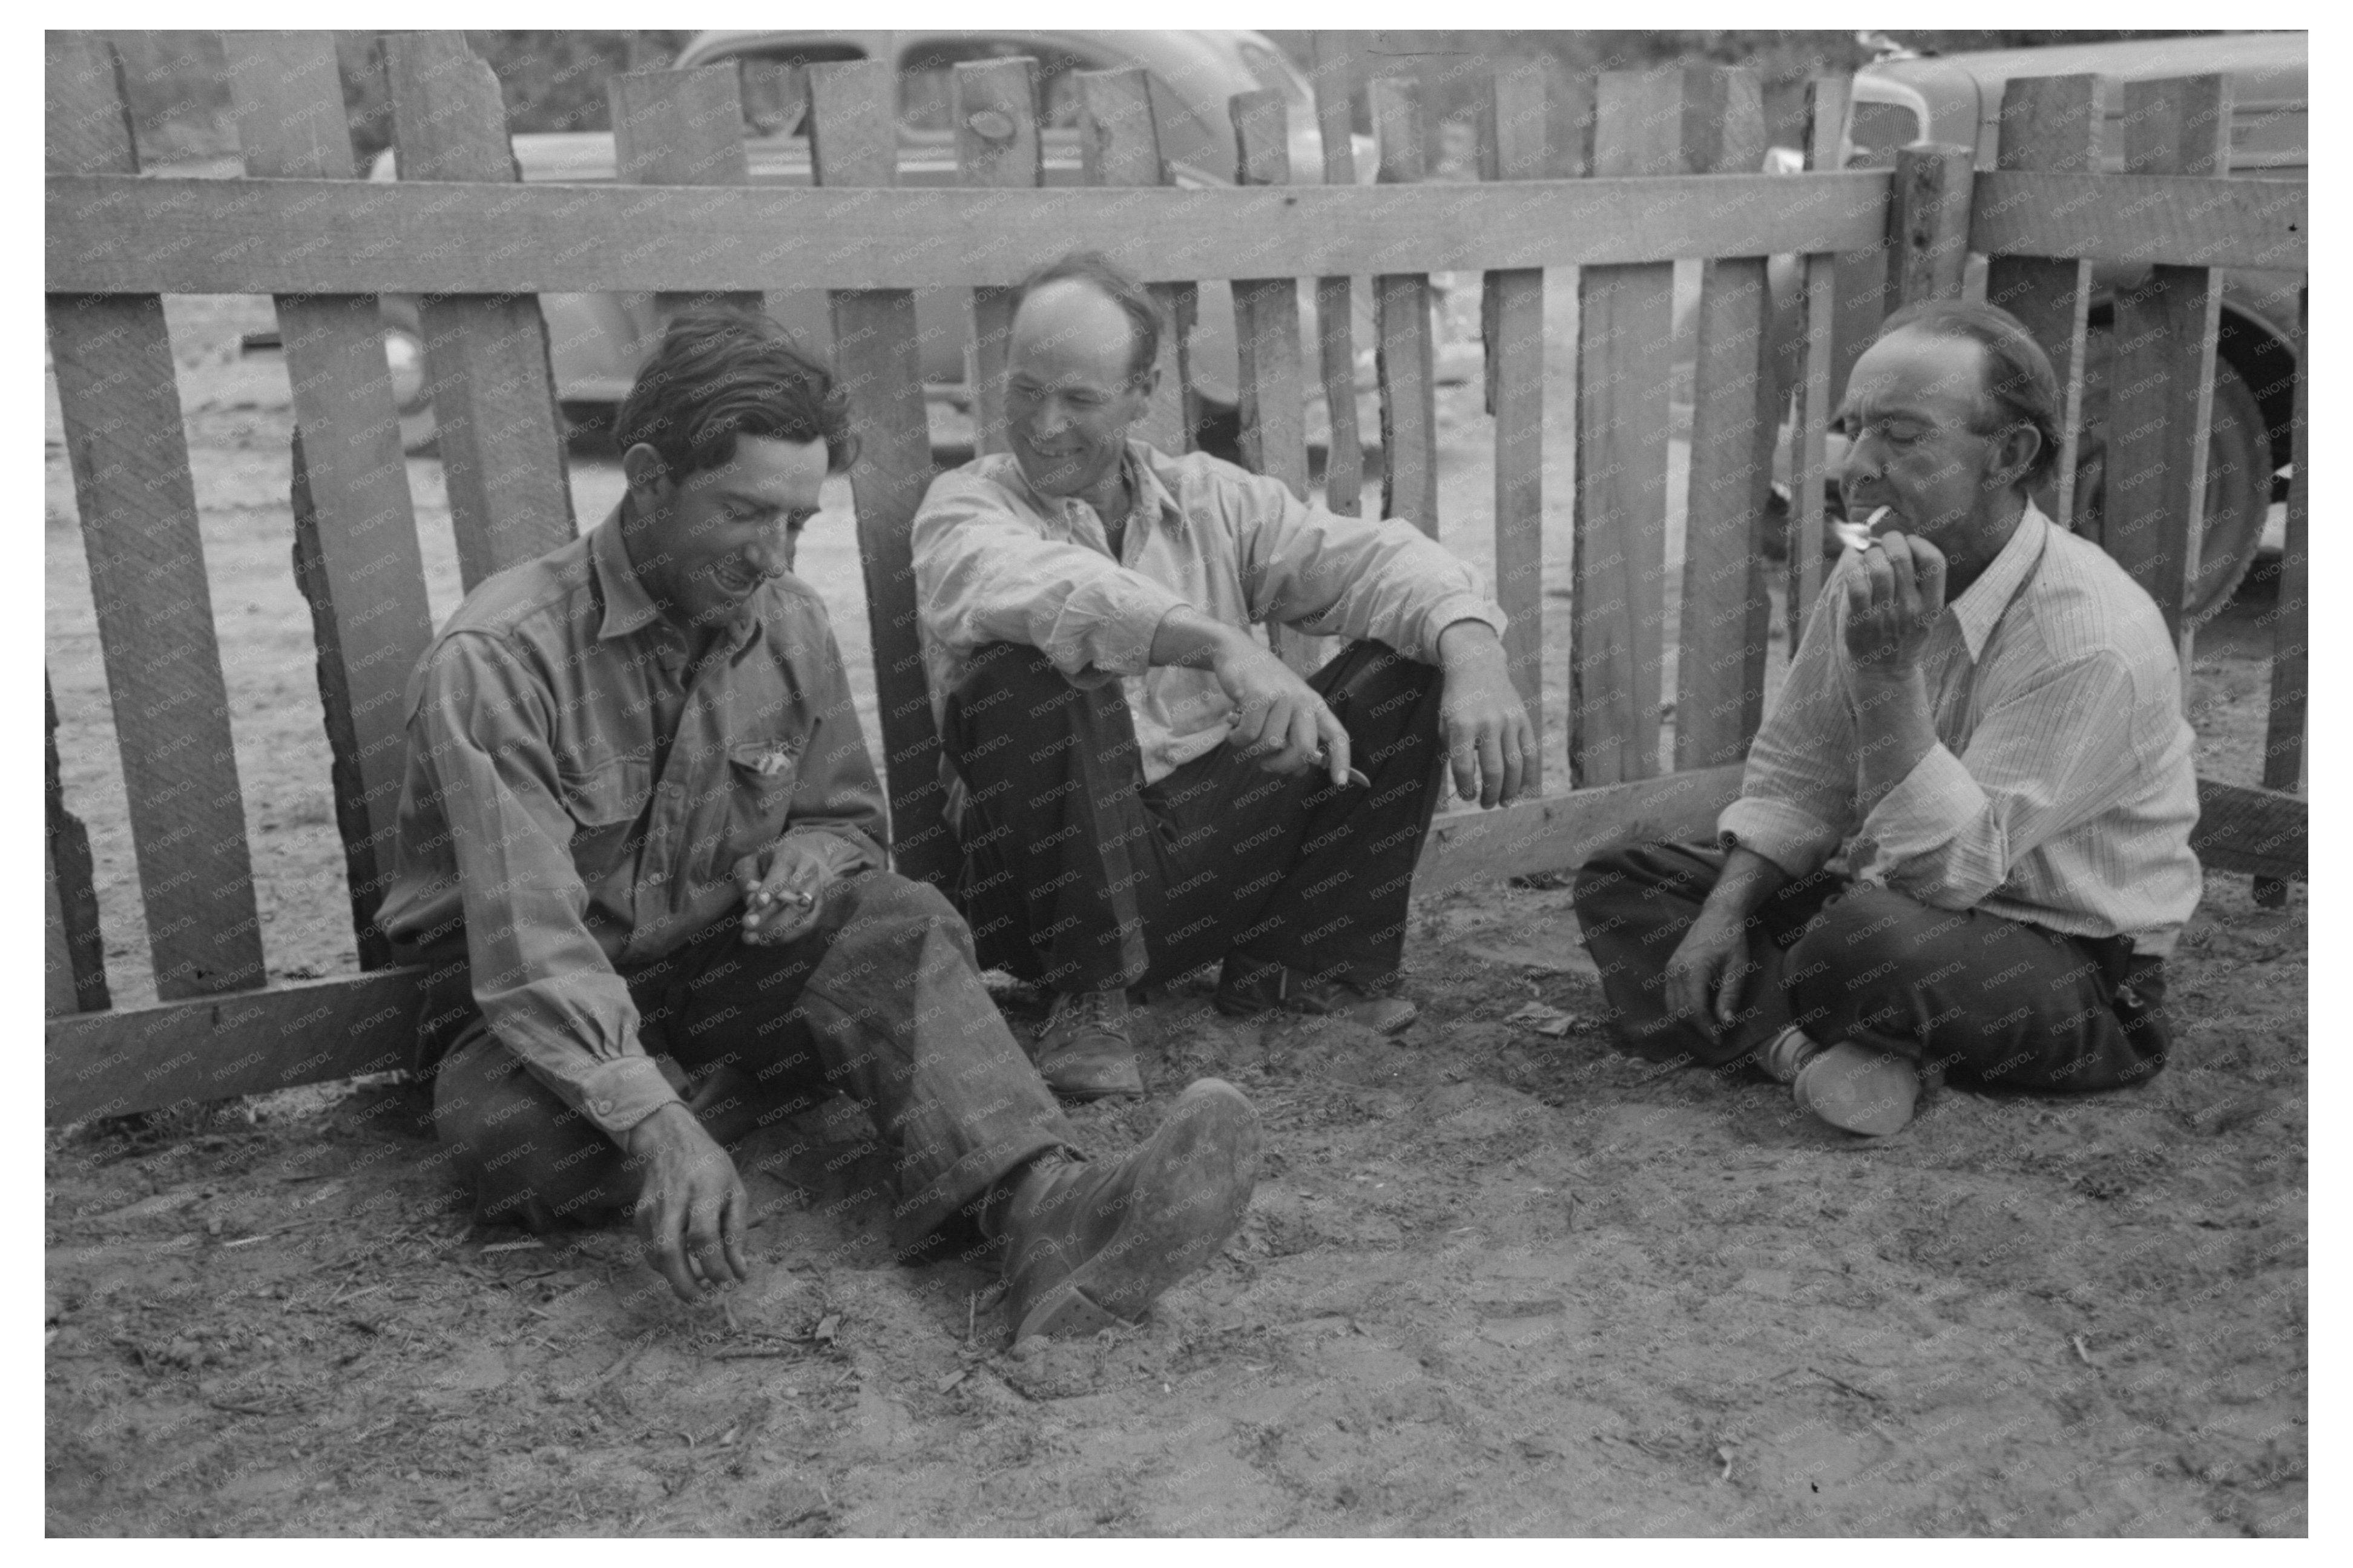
point(1664, 166)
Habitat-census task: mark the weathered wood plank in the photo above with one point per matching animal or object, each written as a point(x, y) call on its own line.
point(1928, 221)
point(854, 137)
point(147, 1058)
point(681, 128)
point(74, 953)
point(1266, 311)
point(1563, 831)
point(119, 396)
point(2052, 123)
point(1727, 614)
point(1333, 73)
point(1826, 101)
point(2284, 735)
point(1401, 304)
point(494, 414)
point(997, 150)
point(106, 234)
point(1511, 304)
point(357, 556)
point(2135, 219)
point(2161, 379)
point(1625, 361)
point(1120, 146)
point(2261, 832)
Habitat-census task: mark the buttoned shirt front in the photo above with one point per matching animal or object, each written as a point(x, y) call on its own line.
point(578, 794)
point(997, 562)
point(2061, 789)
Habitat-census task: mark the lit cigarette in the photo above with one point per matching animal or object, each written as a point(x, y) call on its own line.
point(1857, 536)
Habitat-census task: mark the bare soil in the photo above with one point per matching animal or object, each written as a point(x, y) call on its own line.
point(1496, 1279)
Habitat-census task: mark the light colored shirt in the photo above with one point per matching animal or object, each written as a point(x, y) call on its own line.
point(2061, 789)
point(577, 797)
point(995, 562)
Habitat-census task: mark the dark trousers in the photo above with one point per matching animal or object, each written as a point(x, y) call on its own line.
point(1983, 999)
point(1080, 876)
point(879, 1000)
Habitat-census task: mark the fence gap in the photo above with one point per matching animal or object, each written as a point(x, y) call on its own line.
point(1119, 142)
point(1408, 373)
point(1511, 320)
point(73, 951)
point(997, 147)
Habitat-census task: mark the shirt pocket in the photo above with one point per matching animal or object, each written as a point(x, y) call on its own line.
point(607, 801)
point(763, 776)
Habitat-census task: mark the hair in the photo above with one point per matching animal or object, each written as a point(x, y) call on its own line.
point(2019, 380)
point(1114, 283)
point(719, 374)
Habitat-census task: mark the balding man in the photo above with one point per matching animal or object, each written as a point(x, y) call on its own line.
point(1985, 716)
point(1144, 787)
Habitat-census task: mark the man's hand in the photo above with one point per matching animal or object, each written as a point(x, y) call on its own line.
point(1488, 737)
point(1892, 602)
point(1708, 970)
point(784, 885)
point(1278, 718)
point(692, 1207)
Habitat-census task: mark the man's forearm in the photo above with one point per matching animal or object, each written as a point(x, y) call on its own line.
point(1893, 732)
point(1186, 637)
point(1747, 880)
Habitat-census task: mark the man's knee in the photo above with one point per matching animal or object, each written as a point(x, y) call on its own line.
point(525, 1154)
point(1867, 943)
point(1001, 681)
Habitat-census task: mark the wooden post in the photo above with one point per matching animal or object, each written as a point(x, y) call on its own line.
point(1826, 99)
point(493, 394)
point(119, 398)
point(853, 140)
point(1408, 374)
point(681, 128)
point(1266, 311)
point(1119, 142)
point(1511, 310)
point(1625, 361)
point(2161, 377)
point(997, 147)
point(2051, 124)
point(2291, 634)
point(74, 954)
point(1928, 221)
point(1332, 72)
point(1727, 613)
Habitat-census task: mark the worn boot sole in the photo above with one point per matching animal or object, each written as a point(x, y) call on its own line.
point(1859, 1090)
point(1192, 1183)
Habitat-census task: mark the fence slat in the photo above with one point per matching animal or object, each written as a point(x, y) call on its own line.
point(997, 148)
point(854, 142)
point(1826, 99)
point(681, 128)
point(2291, 634)
point(1334, 75)
point(2052, 123)
point(1408, 373)
point(1119, 142)
point(1266, 311)
point(1928, 221)
point(1511, 309)
point(357, 556)
point(119, 399)
point(74, 952)
point(1727, 615)
point(2133, 220)
point(2161, 380)
point(1625, 363)
point(493, 396)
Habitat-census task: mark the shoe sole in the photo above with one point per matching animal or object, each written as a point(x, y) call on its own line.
point(1859, 1091)
point(1187, 1199)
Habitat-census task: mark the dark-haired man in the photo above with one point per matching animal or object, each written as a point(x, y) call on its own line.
point(1985, 712)
point(1146, 789)
point(639, 814)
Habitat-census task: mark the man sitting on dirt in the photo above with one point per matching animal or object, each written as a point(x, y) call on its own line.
point(1088, 606)
point(1985, 712)
point(639, 814)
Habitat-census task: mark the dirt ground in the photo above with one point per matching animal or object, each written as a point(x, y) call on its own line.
point(1496, 1278)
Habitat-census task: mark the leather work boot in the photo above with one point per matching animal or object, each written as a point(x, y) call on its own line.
point(1086, 1051)
point(1092, 1245)
point(1859, 1090)
point(1253, 992)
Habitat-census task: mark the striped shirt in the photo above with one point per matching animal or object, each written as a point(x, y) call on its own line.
point(997, 562)
point(2062, 790)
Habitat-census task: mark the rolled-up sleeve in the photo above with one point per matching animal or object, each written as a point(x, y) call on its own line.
point(1797, 793)
point(985, 573)
point(544, 984)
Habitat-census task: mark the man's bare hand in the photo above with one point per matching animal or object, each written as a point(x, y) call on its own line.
point(692, 1207)
point(784, 885)
point(1892, 602)
point(1489, 739)
point(1278, 718)
point(1707, 972)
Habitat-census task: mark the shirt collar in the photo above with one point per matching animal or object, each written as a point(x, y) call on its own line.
point(629, 609)
point(1979, 609)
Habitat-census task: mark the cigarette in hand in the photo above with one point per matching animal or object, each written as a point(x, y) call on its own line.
point(1857, 536)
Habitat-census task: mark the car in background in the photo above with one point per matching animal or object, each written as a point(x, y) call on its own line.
point(598, 341)
point(1957, 99)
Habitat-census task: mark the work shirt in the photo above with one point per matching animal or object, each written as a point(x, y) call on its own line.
point(997, 562)
point(577, 797)
point(2061, 791)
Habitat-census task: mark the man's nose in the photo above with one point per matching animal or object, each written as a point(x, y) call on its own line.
point(771, 553)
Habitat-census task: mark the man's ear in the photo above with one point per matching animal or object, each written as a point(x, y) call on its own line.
point(2015, 451)
point(1146, 384)
point(648, 474)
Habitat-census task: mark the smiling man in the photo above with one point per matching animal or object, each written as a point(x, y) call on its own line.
point(1985, 717)
point(1145, 787)
point(640, 818)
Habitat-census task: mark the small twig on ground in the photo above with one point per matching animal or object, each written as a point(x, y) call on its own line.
point(1841, 1383)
